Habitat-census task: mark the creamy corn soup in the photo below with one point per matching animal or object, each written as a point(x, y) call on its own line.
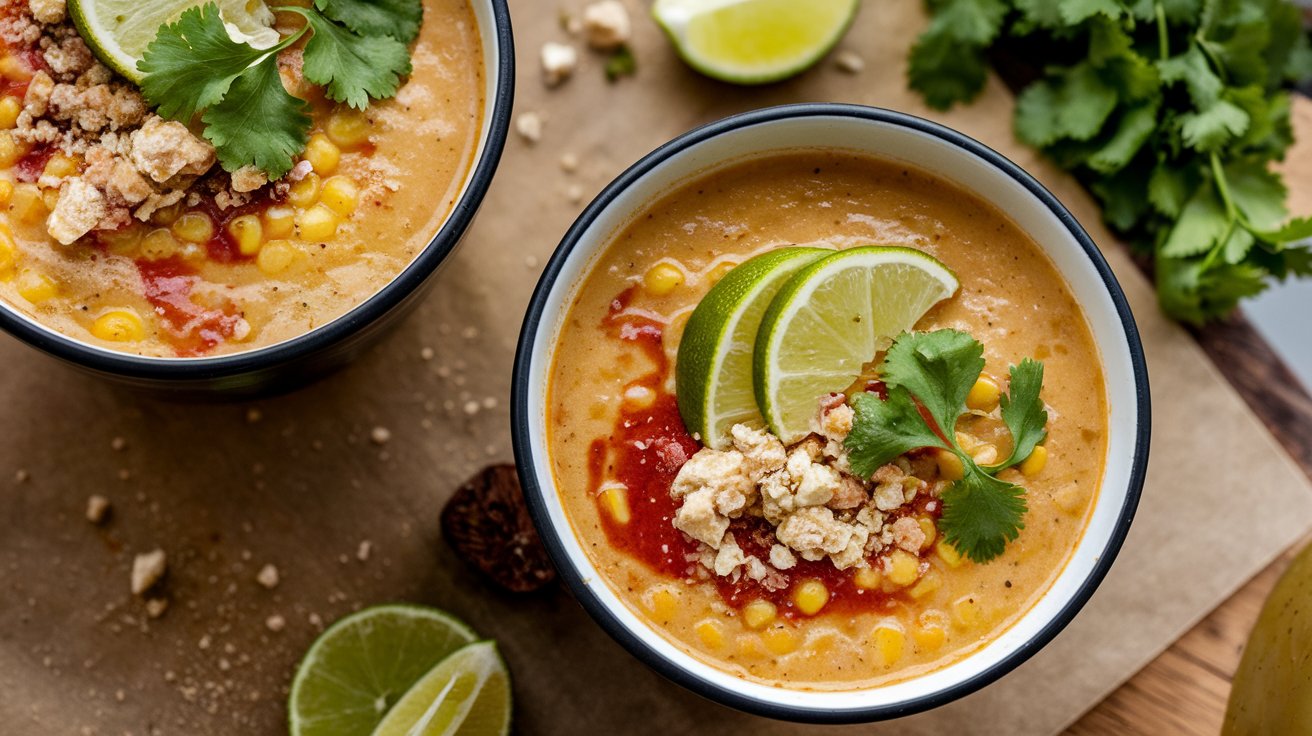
point(117, 228)
point(913, 604)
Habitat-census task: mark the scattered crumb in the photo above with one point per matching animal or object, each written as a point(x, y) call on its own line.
point(22, 476)
point(275, 623)
point(124, 474)
point(606, 25)
point(426, 353)
point(147, 569)
point(315, 620)
point(120, 696)
point(531, 261)
point(529, 126)
point(364, 550)
point(850, 62)
point(253, 415)
point(155, 607)
point(574, 194)
point(118, 444)
point(558, 62)
point(268, 577)
point(471, 407)
point(97, 509)
point(489, 402)
point(569, 163)
point(380, 435)
point(204, 642)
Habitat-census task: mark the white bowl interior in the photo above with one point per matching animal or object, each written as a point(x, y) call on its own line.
point(950, 162)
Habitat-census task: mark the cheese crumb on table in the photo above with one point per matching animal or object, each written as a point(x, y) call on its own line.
point(380, 435)
point(606, 25)
point(97, 509)
point(850, 62)
point(529, 126)
point(275, 623)
point(147, 569)
point(558, 62)
point(268, 577)
point(364, 550)
point(155, 607)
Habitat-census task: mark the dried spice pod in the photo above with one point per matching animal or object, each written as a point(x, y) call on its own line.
point(487, 523)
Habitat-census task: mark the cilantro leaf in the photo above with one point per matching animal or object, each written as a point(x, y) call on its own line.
point(1202, 222)
point(884, 429)
point(399, 19)
point(1133, 130)
point(945, 71)
point(1258, 193)
point(621, 63)
point(938, 368)
point(258, 123)
point(1167, 189)
point(353, 68)
point(981, 514)
point(1023, 412)
point(191, 63)
point(1297, 229)
point(1210, 128)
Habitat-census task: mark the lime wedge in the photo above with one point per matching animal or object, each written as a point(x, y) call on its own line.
point(362, 665)
point(118, 31)
point(832, 318)
point(467, 694)
point(713, 373)
point(753, 41)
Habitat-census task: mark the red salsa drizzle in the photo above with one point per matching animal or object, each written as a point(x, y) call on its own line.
point(192, 329)
point(645, 451)
point(29, 167)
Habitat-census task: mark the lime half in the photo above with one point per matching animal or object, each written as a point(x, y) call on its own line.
point(713, 374)
point(118, 31)
point(753, 41)
point(362, 665)
point(831, 319)
point(467, 694)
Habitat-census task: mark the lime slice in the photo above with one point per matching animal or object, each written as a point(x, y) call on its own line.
point(832, 318)
point(118, 31)
point(362, 665)
point(467, 694)
point(713, 374)
point(753, 41)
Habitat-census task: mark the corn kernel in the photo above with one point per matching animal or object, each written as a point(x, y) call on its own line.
point(35, 286)
point(946, 552)
point(11, 150)
point(8, 253)
point(6, 191)
point(662, 279)
point(1069, 498)
point(985, 455)
point(1034, 464)
point(903, 568)
point(967, 441)
point(341, 195)
point(759, 614)
point(615, 498)
point(868, 578)
point(889, 642)
point(26, 205)
point(279, 221)
point(167, 215)
point(50, 198)
point(247, 232)
point(348, 128)
point(949, 465)
point(118, 325)
point(749, 645)
point(720, 271)
point(60, 166)
point(316, 224)
point(662, 605)
point(984, 394)
point(10, 107)
point(305, 192)
point(927, 585)
point(711, 634)
point(159, 244)
point(965, 612)
point(810, 596)
point(194, 227)
point(124, 241)
point(322, 154)
point(930, 530)
point(779, 640)
point(11, 67)
point(928, 636)
point(276, 256)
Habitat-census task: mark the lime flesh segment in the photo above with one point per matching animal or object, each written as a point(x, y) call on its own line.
point(362, 665)
point(118, 31)
point(713, 373)
point(753, 41)
point(467, 694)
point(831, 319)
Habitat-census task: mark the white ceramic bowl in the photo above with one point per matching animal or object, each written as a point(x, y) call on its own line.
point(945, 153)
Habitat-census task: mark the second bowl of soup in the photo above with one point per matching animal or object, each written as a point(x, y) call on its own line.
point(830, 413)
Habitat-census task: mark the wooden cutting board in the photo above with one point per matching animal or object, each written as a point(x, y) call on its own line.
point(296, 482)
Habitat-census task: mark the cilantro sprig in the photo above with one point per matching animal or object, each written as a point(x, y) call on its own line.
point(1169, 111)
point(928, 376)
point(356, 49)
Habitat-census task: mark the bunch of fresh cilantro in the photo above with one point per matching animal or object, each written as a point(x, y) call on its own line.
point(357, 49)
point(933, 372)
point(1170, 111)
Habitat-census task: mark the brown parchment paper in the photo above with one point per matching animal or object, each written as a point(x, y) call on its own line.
point(301, 486)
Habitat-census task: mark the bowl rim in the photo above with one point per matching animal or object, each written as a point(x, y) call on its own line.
point(522, 415)
point(341, 328)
